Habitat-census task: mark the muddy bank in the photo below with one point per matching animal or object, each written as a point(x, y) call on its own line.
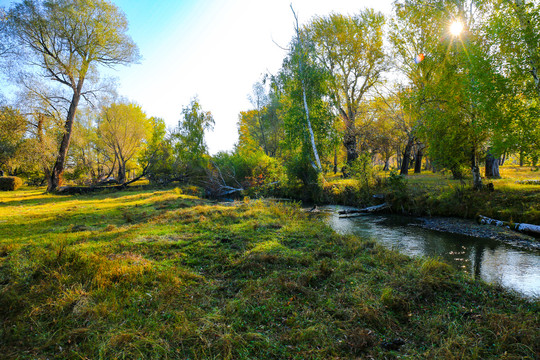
point(471, 228)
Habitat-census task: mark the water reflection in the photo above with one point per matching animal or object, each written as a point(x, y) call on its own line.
point(487, 259)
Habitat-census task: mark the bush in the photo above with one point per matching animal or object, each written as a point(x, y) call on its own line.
point(344, 192)
point(10, 183)
point(256, 172)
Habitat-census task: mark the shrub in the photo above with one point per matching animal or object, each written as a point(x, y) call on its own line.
point(10, 183)
point(345, 192)
point(257, 172)
point(397, 193)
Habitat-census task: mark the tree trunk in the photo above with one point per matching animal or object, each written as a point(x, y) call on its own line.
point(121, 172)
point(259, 117)
point(306, 108)
point(349, 141)
point(477, 178)
point(335, 162)
point(311, 135)
point(527, 228)
point(407, 156)
point(521, 158)
point(418, 161)
point(492, 166)
point(502, 159)
point(386, 163)
point(55, 178)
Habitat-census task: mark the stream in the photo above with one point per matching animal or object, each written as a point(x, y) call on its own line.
point(490, 260)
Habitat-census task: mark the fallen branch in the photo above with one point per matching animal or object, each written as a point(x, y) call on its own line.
point(368, 210)
point(526, 228)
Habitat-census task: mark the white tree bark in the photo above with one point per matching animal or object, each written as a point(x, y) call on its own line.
point(306, 108)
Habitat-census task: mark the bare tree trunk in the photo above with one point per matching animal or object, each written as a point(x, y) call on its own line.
point(55, 178)
point(306, 108)
point(492, 166)
point(311, 135)
point(502, 159)
point(407, 156)
point(349, 141)
point(398, 157)
point(335, 161)
point(265, 148)
point(418, 160)
point(477, 178)
point(121, 172)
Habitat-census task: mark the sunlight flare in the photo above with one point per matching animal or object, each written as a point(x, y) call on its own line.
point(456, 28)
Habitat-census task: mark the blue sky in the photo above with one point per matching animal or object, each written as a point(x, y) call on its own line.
point(215, 49)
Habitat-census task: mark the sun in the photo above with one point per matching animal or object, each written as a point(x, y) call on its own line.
point(456, 27)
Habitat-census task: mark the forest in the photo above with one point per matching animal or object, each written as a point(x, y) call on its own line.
point(126, 238)
point(439, 86)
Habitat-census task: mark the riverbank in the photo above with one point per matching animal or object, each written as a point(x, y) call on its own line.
point(471, 228)
point(514, 198)
point(161, 274)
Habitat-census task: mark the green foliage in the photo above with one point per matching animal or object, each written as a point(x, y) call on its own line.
point(256, 172)
point(350, 51)
point(362, 169)
point(158, 158)
point(10, 183)
point(301, 168)
point(64, 41)
point(13, 126)
point(344, 192)
point(124, 129)
point(190, 147)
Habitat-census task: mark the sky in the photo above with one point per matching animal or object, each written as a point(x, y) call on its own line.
point(213, 49)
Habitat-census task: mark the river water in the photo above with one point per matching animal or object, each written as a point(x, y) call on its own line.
point(490, 260)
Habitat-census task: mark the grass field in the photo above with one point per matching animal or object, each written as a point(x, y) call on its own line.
point(162, 274)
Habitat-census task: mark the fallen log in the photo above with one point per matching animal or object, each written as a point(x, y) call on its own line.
point(526, 228)
point(358, 212)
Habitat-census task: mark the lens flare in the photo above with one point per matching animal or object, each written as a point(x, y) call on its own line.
point(456, 27)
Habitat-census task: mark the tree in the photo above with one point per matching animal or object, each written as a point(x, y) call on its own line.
point(191, 146)
point(300, 51)
point(259, 100)
point(64, 41)
point(158, 157)
point(123, 128)
point(350, 48)
point(308, 123)
point(262, 127)
point(13, 127)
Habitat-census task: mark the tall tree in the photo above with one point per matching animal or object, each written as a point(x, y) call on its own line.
point(123, 128)
point(259, 99)
point(300, 51)
point(350, 48)
point(63, 41)
point(191, 146)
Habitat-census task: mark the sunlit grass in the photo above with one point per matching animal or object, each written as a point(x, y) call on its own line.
point(161, 274)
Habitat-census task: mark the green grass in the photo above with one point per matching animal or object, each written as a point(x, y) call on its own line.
point(437, 194)
point(162, 275)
